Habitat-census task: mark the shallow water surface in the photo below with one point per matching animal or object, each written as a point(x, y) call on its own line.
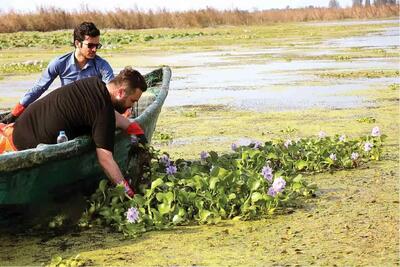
point(388, 38)
point(353, 22)
point(260, 79)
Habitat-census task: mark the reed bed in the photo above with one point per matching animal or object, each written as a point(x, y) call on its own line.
point(50, 19)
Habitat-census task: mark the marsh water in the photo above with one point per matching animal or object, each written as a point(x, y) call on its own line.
point(354, 221)
point(263, 79)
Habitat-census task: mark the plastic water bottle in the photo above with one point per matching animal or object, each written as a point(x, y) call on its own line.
point(62, 137)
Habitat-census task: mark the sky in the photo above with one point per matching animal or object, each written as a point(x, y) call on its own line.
point(170, 5)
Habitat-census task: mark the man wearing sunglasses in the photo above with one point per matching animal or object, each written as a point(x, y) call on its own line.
point(81, 63)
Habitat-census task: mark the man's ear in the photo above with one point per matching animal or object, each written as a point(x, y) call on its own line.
point(121, 92)
point(77, 43)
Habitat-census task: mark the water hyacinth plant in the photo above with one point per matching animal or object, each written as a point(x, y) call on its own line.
point(375, 132)
point(204, 155)
point(234, 146)
point(277, 187)
point(354, 156)
point(287, 143)
point(256, 144)
point(165, 160)
point(368, 146)
point(321, 134)
point(267, 173)
point(245, 184)
point(132, 215)
point(171, 170)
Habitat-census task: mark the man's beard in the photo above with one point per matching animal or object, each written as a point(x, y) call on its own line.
point(90, 55)
point(119, 106)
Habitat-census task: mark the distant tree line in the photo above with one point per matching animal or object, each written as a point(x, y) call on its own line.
point(366, 3)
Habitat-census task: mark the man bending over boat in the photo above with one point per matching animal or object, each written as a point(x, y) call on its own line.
point(84, 107)
point(78, 64)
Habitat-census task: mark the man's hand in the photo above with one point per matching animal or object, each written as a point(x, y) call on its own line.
point(128, 190)
point(14, 114)
point(111, 169)
point(9, 118)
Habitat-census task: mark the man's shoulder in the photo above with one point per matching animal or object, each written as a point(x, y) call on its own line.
point(66, 56)
point(100, 60)
point(62, 59)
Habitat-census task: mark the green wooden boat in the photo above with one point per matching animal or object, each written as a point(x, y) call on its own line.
point(49, 171)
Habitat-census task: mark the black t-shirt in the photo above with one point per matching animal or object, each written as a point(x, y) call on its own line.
point(80, 108)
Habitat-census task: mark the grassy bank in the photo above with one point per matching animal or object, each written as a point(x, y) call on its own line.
point(161, 39)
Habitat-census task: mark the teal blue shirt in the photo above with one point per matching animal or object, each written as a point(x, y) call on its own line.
point(66, 68)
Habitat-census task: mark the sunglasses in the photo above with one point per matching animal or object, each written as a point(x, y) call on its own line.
point(91, 46)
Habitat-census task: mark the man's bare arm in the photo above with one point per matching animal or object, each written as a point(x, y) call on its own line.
point(121, 122)
point(110, 167)
point(130, 127)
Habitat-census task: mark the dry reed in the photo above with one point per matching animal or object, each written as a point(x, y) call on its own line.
point(49, 19)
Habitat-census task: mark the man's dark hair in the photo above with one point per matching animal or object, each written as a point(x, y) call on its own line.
point(85, 28)
point(132, 78)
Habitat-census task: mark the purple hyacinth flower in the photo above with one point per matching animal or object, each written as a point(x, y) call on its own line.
point(171, 170)
point(342, 138)
point(257, 145)
point(333, 157)
point(132, 215)
point(321, 134)
point(204, 155)
point(279, 184)
point(354, 156)
point(165, 160)
point(267, 173)
point(368, 146)
point(287, 143)
point(271, 192)
point(234, 146)
point(375, 132)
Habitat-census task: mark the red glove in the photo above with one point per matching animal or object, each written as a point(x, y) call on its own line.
point(128, 190)
point(17, 110)
point(134, 128)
